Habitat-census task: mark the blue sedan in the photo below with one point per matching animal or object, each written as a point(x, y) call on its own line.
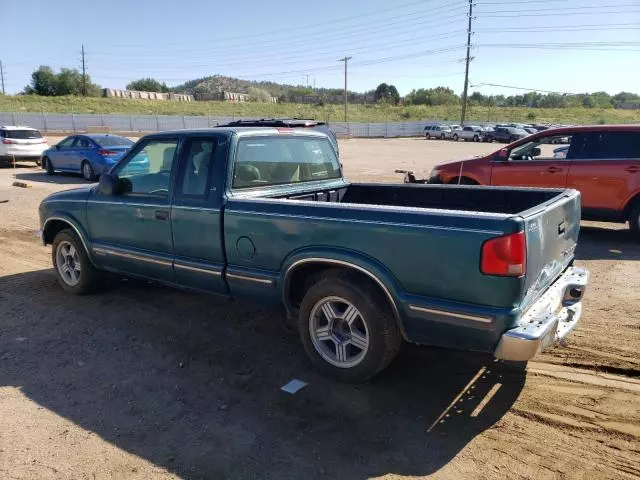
point(91, 155)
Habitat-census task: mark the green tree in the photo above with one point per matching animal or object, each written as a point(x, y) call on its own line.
point(44, 81)
point(386, 94)
point(148, 85)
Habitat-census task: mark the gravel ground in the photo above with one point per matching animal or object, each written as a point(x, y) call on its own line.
point(141, 381)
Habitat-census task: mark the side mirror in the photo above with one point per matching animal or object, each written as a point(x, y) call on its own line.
point(536, 152)
point(108, 184)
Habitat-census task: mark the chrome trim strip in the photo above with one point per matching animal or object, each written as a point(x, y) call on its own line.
point(106, 251)
point(373, 277)
point(250, 279)
point(463, 316)
point(367, 222)
point(196, 269)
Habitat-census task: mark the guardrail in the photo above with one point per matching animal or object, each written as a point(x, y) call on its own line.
point(57, 122)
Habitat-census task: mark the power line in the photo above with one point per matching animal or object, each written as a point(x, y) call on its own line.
point(548, 15)
point(346, 99)
point(563, 9)
point(466, 70)
point(84, 74)
point(483, 84)
point(2, 76)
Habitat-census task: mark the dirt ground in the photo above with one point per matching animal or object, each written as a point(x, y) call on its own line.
point(141, 381)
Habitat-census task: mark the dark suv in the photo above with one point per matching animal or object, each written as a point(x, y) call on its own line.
point(288, 123)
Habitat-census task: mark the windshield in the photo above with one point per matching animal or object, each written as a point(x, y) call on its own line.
point(280, 159)
point(113, 141)
point(22, 134)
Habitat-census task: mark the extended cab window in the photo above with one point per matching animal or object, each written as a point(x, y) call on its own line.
point(195, 176)
point(148, 169)
point(283, 159)
point(610, 145)
point(544, 148)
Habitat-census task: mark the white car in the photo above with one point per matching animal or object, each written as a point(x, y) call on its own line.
point(21, 143)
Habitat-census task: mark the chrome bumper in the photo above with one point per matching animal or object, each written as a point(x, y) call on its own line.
point(550, 319)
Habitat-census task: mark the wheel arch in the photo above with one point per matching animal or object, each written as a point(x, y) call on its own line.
point(299, 272)
point(55, 224)
point(634, 200)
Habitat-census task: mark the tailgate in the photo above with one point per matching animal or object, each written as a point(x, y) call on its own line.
point(551, 231)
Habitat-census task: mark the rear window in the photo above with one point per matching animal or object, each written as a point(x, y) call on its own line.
point(113, 141)
point(262, 161)
point(608, 145)
point(21, 134)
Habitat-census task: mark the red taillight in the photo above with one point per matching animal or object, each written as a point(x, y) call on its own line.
point(6, 141)
point(284, 130)
point(107, 153)
point(505, 256)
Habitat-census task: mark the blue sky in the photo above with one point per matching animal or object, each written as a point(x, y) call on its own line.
point(589, 45)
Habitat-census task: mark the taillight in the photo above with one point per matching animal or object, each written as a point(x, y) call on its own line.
point(6, 141)
point(107, 153)
point(284, 130)
point(505, 256)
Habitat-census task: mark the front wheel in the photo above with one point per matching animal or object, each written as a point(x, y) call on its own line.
point(455, 137)
point(76, 274)
point(347, 329)
point(634, 220)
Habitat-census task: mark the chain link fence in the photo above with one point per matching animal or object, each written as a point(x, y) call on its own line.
point(55, 122)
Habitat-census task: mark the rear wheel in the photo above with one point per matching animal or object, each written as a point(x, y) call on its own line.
point(476, 138)
point(634, 220)
point(455, 137)
point(87, 171)
point(46, 163)
point(346, 328)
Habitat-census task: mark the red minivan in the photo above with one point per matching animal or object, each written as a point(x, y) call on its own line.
point(601, 161)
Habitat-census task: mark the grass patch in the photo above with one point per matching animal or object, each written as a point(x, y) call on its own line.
point(331, 113)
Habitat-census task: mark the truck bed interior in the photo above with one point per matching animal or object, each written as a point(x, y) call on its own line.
point(465, 198)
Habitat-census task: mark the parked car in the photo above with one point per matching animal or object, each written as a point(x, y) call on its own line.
point(508, 134)
point(441, 132)
point(21, 143)
point(289, 123)
point(266, 214)
point(89, 154)
point(469, 132)
point(530, 130)
point(487, 133)
point(602, 161)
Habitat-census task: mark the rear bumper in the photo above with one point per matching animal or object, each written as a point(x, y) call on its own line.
point(550, 319)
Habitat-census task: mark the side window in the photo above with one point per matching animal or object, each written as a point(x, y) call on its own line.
point(554, 147)
point(612, 146)
point(148, 170)
point(67, 142)
point(196, 173)
point(82, 142)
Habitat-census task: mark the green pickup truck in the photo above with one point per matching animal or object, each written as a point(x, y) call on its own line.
point(265, 214)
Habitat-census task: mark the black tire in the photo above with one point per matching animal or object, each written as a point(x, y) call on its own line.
point(634, 220)
point(455, 137)
point(46, 164)
point(90, 278)
point(476, 138)
point(384, 338)
point(87, 171)
point(442, 136)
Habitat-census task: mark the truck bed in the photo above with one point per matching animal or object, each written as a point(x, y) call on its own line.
point(464, 198)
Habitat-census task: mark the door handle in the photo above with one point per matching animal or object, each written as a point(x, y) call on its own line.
point(554, 169)
point(633, 169)
point(162, 215)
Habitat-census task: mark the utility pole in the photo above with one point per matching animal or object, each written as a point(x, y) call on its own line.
point(466, 72)
point(307, 77)
point(345, 60)
point(2, 76)
point(84, 74)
